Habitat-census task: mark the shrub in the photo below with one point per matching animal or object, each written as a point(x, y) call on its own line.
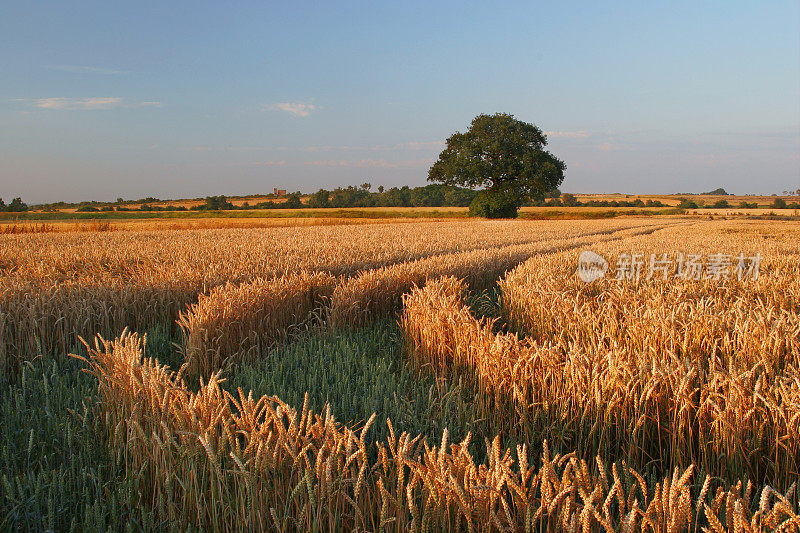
point(217, 203)
point(489, 204)
point(569, 200)
point(293, 202)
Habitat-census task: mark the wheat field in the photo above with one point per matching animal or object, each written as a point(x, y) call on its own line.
point(432, 375)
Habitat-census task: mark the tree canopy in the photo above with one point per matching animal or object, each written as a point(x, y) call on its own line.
point(718, 192)
point(504, 155)
point(16, 206)
point(217, 203)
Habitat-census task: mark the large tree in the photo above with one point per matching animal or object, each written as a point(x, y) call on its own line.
point(503, 155)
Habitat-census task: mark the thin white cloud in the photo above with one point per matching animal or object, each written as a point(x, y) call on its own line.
point(295, 108)
point(361, 163)
point(98, 102)
point(268, 163)
point(85, 69)
point(245, 148)
point(609, 146)
point(414, 145)
point(88, 104)
point(567, 134)
point(423, 162)
point(431, 145)
point(370, 163)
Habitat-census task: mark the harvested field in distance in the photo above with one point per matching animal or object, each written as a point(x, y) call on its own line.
point(81, 221)
point(330, 374)
point(170, 224)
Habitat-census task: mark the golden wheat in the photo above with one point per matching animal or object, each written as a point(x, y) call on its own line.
point(378, 292)
point(236, 321)
point(56, 287)
point(214, 460)
point(685, 389)
point(651, 407)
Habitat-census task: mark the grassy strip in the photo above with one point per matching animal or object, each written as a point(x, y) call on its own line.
point(56, 472)
point(331, 365)
point(255, 213)
point(587, 214)
point(56, 469)
point(368, 213)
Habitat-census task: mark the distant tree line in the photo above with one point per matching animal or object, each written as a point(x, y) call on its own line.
point(778, 203)
point(357, 196)
point(147, 207)
point(94, 206)
point(15, 206)
point(142, 207)
point(363, 196)
point(569, 200)
point(221, 203)
point(433, 195)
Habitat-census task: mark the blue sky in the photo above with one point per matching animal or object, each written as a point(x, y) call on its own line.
point(185, 99)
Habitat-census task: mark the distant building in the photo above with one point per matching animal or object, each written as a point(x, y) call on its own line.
point(279, 192)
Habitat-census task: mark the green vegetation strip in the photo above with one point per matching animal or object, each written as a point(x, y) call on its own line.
point(360, 373)
point(56, 472)
point(265, 213)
